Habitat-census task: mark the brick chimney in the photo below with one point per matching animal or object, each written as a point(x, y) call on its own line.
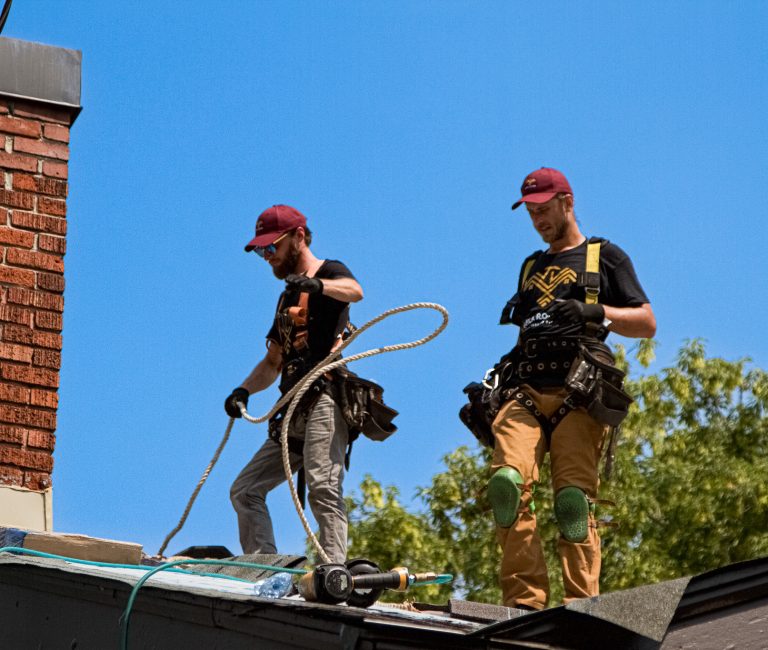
point(39, 101)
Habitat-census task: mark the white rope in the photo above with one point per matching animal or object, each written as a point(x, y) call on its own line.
point(295, 394)
point(200, 483)
point(326, 365)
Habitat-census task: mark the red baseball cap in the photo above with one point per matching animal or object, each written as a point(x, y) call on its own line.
point(542, 185)
point(273, 222)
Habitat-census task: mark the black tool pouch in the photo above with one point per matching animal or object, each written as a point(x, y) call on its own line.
point(478, 415)
point(293, 371)
point(596, 384)
point(486, 398)
point(362, 404)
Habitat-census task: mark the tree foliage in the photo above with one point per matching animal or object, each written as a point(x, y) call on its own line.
point(688, 482)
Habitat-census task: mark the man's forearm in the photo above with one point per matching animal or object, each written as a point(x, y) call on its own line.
point(261, 377)
point(344, 289)
point(634, 322)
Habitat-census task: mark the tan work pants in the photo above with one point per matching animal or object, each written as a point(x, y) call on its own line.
point(574, 456)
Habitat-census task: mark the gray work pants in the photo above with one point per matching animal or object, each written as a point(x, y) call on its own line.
point(325, 435)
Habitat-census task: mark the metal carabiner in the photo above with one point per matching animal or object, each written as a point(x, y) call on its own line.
point(491, 373)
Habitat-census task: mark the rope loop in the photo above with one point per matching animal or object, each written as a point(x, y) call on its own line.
point(326, 365)
point(331, 362)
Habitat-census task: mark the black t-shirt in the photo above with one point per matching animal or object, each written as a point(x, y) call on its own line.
point(554, 276)
point(327, 318)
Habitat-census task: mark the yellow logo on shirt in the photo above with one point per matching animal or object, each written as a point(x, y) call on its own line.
point(547, 281)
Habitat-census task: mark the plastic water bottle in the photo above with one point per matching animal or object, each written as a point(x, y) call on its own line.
point(277, 585)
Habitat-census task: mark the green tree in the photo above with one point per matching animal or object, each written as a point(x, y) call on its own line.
point(688, 481)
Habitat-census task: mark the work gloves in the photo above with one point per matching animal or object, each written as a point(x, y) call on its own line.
point(577, 312)
point(303, 284)
point(230, 406)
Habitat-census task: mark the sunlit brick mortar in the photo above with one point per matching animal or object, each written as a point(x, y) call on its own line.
point(36, 113)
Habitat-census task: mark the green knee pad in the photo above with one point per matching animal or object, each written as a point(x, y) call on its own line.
point(504, 494)
point(572, 513)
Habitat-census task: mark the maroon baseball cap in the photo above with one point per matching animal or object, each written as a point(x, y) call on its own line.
point(273, 222)
point(542, 185)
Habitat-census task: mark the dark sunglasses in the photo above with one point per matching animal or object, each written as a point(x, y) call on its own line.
point(262, 251)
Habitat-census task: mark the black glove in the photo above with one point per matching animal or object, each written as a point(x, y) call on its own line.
point(577, 312)
point(238, 395)
point(303, 284)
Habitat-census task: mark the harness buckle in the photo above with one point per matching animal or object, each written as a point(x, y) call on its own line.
point(531, 348)
point(524, 370)
point(570, 400)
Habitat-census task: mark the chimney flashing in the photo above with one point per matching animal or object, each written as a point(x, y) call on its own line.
point(34, 72)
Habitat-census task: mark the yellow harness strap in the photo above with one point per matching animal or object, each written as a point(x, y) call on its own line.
point(593, 266)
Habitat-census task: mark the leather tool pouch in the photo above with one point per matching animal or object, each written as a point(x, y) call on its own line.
point(595, 383)
point(362, 404)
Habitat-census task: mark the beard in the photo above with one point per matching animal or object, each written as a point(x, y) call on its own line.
point(558, 231)
point(288, 265)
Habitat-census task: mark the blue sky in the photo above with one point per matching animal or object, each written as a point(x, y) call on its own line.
point(403, 130)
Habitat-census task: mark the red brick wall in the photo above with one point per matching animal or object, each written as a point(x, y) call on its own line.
point(34, 150)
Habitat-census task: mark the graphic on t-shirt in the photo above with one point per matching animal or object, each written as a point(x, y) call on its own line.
point(547, 281)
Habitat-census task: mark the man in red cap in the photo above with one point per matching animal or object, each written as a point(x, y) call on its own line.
point(312, 313)
point(559, 392)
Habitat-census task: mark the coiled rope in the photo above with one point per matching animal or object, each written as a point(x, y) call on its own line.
point(294, 395)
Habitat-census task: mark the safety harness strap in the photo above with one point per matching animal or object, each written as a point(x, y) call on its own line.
point(591, 277)
point(547, 424)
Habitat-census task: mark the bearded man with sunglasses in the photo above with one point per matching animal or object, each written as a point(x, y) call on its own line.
point(558, 391)
point(311, 316)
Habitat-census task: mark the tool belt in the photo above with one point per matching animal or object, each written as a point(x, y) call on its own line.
point(592, 381)
point(362, 406)
point(544, 361)
point(361, 402)
point(584, 366)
